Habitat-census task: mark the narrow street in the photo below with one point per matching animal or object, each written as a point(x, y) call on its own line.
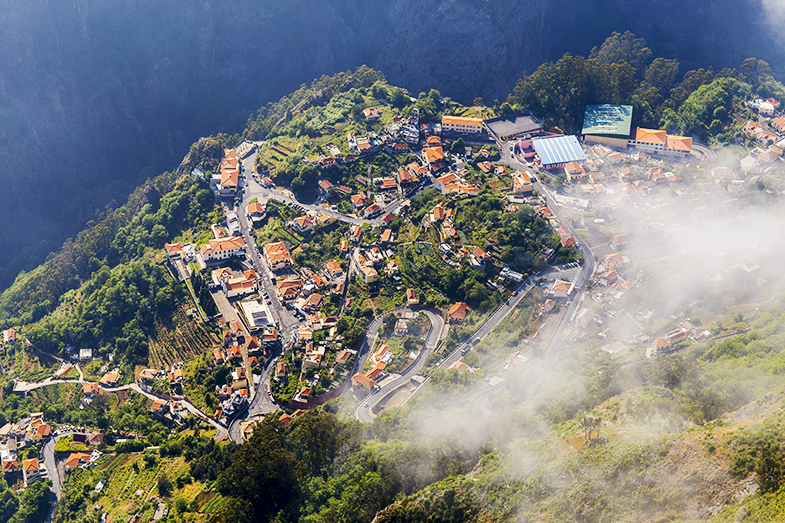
point(589, 261)
point(364, 410)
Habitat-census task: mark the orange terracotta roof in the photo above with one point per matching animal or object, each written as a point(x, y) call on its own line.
point(30, 465)
point(680, 143)
point(174, 248)
point(223, 244)
point(364, 380)
point(459, 311)
point(433, 154)
point(110, 377)
point(91, 388)
point(462, 120)
point(651, 136)
point(277, 252)
point(334, 267)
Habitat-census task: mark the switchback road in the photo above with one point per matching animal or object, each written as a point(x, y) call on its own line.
point(364, 410)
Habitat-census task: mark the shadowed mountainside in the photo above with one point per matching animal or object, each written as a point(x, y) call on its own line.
point(98, 95)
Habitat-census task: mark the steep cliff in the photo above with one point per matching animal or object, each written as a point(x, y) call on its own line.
point(97, 95)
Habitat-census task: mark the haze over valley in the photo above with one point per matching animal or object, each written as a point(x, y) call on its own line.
point(387, 262)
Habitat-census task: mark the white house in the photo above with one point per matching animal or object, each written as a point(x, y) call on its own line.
point(222, 248)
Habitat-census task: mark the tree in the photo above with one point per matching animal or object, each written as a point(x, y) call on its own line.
point(34, 502)
point(164, 485)
point(262, 471)
point(316, 440)
point(770, 468)
point(237, 511)
point(661, 74)
point(379, 90)
point(399, 98)
point(691, 81)
point(754, 72)
point(506, 108)
point(642, 113)
point(458, 147)
point(623, 47)
point(8, 504)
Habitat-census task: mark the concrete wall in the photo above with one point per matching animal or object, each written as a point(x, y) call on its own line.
point(616, 143)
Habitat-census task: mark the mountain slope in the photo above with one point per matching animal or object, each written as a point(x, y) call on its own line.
point(98, 95)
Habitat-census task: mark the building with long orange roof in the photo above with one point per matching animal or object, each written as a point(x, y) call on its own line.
point(658, 141)
point(461, 124)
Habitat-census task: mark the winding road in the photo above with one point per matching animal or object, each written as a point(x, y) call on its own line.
point(365, 409)
point(582, 278)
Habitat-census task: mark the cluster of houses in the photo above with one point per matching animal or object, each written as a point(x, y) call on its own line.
point(170, 413)
point(90, 390)
point(610, 178)
point(764, 107)
point(684, 331)
point(770, 140)
point(395, 138)
point(15, 437)
point(377, 363)
point(226, 182)
point(377, 260)
point(237, 345)
point(325, 356)
point(609, 172)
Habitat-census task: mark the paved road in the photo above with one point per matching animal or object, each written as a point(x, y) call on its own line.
point(589, 262)
point(255, 190)
point(51, 465)
point(27, 386)
point(190, 407)
point(364, 410)
point(55, 471)
point(580, 281)
point(262, 401)
point(496, 318)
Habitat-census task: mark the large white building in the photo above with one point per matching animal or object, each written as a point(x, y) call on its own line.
point(257, 314)
point(460, 124)
point(660, 142)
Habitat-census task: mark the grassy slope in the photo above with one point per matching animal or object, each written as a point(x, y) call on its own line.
point(650, 464)
point(119, 496)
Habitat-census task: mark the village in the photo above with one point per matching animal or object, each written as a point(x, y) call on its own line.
point(289, 280)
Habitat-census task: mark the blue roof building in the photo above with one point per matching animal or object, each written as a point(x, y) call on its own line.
point(558, 151)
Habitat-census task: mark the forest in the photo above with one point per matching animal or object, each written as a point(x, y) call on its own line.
point(623, 71)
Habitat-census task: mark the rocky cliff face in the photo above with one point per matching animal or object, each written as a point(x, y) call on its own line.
point(97, 95)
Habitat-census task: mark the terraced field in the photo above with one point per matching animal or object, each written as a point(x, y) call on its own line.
point(132, 488)
point(183, 340)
